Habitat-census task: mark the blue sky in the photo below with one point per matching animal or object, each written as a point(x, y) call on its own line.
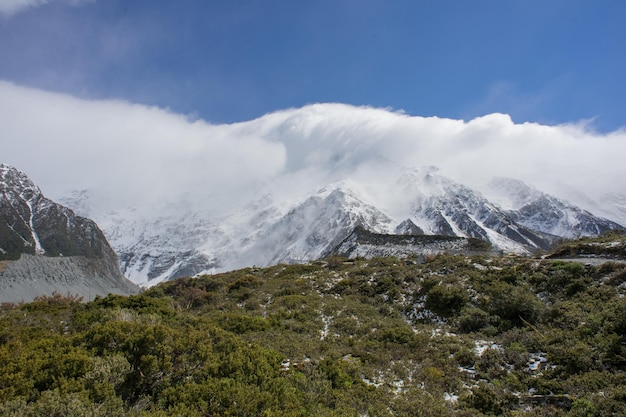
point(550, 61)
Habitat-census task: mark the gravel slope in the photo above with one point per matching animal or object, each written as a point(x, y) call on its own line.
point(32, 276)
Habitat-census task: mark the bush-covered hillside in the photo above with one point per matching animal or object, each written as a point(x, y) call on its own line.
point(611, 244)
point(452, 336)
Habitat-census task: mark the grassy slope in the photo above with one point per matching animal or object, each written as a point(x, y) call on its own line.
point(451, 336)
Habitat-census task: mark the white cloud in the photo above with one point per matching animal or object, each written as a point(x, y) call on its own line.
point(12, 7)
point(130, 153)
point(341, 138)
point(134, 154)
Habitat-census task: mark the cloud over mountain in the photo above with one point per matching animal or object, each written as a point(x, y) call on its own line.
point(133, 154)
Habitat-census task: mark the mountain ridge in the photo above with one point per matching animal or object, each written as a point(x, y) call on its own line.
point(542, 212)
point(45, 247)
point(271, 229)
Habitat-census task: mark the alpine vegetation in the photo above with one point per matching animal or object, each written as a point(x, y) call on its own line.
point(444, 335)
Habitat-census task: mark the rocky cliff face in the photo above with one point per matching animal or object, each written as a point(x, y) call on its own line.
point(45, 247)
point(363, 243)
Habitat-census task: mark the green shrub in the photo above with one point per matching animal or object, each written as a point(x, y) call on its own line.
point(472, 319)
point(446, 301)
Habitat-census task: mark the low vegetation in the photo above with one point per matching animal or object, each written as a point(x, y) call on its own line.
point(449, 336)
point(612, 244)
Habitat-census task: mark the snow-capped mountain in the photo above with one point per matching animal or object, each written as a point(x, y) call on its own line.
point(166, 245)
point(185, 241)
point(35, 232)
point(542, 212)
point(33, 224)
point(313, 228)
point(441, 206)
point(164, 242)
point(610, 205)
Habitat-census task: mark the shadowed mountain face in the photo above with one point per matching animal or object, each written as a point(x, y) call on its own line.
point(31, 224)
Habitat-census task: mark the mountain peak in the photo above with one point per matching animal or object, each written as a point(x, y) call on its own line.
point(15, 181)
point(32, 225)
point(512, 193)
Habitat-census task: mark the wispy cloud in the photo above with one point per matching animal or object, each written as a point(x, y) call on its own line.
point(134, 154)
point(12, 7)
point(527, 104)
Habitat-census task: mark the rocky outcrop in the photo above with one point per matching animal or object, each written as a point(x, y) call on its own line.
point(45, 247)
point(363, 243)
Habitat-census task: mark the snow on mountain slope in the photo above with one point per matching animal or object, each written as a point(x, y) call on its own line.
point(157, 246)
point(444, 207)
point(21, 199)
point(169, 240)
point(407, 227)
point(545, 213)
point(31, 223)
point(312, 228)
point(611, 206)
